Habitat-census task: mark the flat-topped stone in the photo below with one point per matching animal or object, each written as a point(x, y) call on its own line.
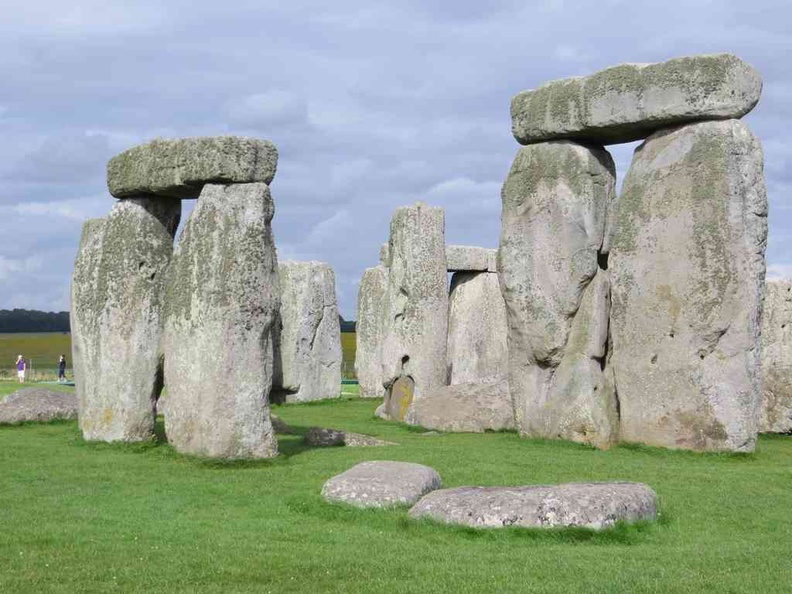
point(37, 404)
point(630, 101)
point(325, 437)
point(180, 168)
point(381, 483)
point(589, 505)
point(468, 258)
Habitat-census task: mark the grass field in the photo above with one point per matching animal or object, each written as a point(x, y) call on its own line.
point(43, 349)
point(80, 517)
point(348, 345)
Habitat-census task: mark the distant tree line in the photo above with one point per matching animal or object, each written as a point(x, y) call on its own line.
point(346, 326)
point(27, 320)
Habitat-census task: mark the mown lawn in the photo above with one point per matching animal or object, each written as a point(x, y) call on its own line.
point(80, 517)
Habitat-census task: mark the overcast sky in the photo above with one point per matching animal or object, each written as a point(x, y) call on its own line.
point(372, 106)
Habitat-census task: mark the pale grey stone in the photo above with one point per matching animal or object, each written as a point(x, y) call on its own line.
point(308, 346)
point(687, 267)
point(477, 329)
point(555, 205)
point(37, 404)
point(117, 318)
point(467, 258)
point(324, 437)
point(416, 327)
point(384, 255)
point(369, 329)
point(223, 301)
point(777, 358)
point(588, 505)
point(465, 408)
point(631, 101)
point(180, 168)
point(381, 484)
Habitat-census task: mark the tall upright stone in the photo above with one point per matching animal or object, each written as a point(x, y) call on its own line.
point(414, 338)
point(687, 267)
point(777, 358)
point(308, 343)
point(369, 329)
point(477, 350)
point(117, 314)
point(222, 303)
point(555, 208)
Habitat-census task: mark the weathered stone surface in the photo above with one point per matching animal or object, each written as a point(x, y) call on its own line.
point(555, 205)
point(631, 101)
point(688, 268)
point(223, 301)
point(589, 505)
point(280, 426)
point(117, 318)
point(477, 329)
point(384, 255)
point(416, 327)
point(37, 404)
point(324, 437)
point(180, 168)
point(465, 408)
point(308, 346)
point(381, 484)
point(777, 358)
point(370, 323)
point(466, 258)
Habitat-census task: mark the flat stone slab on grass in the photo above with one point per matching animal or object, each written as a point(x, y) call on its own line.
point(323, 437)
point(473, 407)
point(630, 101)
point(180, 168)
point(589, 505)
point(381, 483)
point(37, 404)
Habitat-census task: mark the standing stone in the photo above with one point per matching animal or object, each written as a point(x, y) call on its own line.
point(223, 301)
point(370, 321)
point(631, 101)
point(473, 407)
point(414, 341)
point(555, 204)
point(308, 354)
point(476, 329)
point(117, 315)
point(688, 270)
point(777, 358)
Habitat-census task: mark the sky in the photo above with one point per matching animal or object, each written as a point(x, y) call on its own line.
point(372, 106)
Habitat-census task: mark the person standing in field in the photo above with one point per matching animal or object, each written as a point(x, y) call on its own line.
point(62, 368)
point(21, 366)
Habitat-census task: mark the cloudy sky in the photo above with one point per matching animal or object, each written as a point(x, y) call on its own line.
point(372, 106)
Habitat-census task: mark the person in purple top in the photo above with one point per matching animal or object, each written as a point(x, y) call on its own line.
point(21, 366)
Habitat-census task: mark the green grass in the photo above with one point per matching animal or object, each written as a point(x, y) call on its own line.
point(348, 345)
point(43, 349)
point(80, 517)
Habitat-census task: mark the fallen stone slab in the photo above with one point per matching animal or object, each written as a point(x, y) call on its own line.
point(466, 258)
point(588, 505)
point(381, 483)
point(473, 407)
point(324, 437)
point(37, 404)
point(280, 426)
point(631, 101)
point(180, 168)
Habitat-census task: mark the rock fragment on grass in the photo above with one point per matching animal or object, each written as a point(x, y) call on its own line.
point(381, 484)
point(324, 437)
point(37, 404)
